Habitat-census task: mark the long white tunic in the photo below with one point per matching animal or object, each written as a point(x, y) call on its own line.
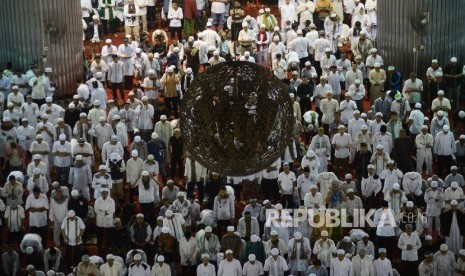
point(104, 210)
point(362, 266)
point(341, 268)
point(175, 225)
point(324, 251)
point(126, 53)
point(144, 114)
point(382, 267)
point(444, 264)
point(275, 267)
point(414, 240)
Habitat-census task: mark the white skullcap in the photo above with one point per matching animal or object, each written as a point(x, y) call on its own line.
point(454, 202)
point(62, 137)
point(379, 147)
point(244, 24)
point(444, 247)
point(108, 41)
point(396, 186)
point(137, 257)
point(230, 228)
point(454, 184)
point(434, 184)
point(364, 127)
point(71, 213)
point(391, 68)
point(428, 238)
point(160, 258)
point(324, 233)
point(36, 171)
point(409, 204)
point(453, 168)
point(453, 59)
point(297, 235)
point(254, 238)
point(29, 250)
point(441, 92)
point(278, 206)
point(328, 49)
point(252, 258)
point(208, 229)
point(341, 252)
point(440, 113)
point(371, 166)
point(275, 251)
point(377, 65)
point(134, 153)
point(209, 24)
point(154, 135)
point(49, 99)
point(373, 50)
point(169, 70)
point(434, 61)
point(462, 114)
point(357, 81)
point(308, 63)
point(229, 251)
point(165, 230)
point(379, 114)
point(145, 173)
point(462, 252)
point(382, 250)
point(446, 128)
point(205, 256)
point(168, 213)
point(273, 233)
point(74, 193)
point(418, 105)
point(346, 239)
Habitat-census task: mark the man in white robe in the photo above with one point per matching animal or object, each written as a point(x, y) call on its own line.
point(444, 261)
point(340, 265)
point(434, 198)
point(299, 253)
point(275, 264)
point(382, 266)
point(175, 222)
point(362, 264)
point(324, 248)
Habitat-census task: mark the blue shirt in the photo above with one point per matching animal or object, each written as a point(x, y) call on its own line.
point(157, 149)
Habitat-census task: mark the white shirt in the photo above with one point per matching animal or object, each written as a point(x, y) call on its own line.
point(37, 219)
point(188, 250)
point(208, 270)
point(275, 267)
point(104, 210)
point(412, 183)
point(72, 228)
point(232, 268)
point(444, 143)
point(362, 266)
point(286, 182)
point(414, 241)
point(274, 174)
point(341, 268)
point(342, 143)
point(414, 97)
point(382, 267)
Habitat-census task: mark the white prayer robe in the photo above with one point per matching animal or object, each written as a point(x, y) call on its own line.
point(104, 210)
point(444, 264)
point(232, 268)
point(324, 251)
point(175, 225)
point(144, 115)
point(382, 267)
point(414, 240)
point(275, 267)
point(362, 267)
point(341, 268)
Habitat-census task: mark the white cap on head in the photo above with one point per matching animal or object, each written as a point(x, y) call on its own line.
point(165, 230)
point(108, 41)
point(396, 186)
point(454, 184)
point(373, 50)
point(341, 252)
point(446, 128)
point(379, 147)
point(371, 166)
point(229, 251)
point(444, 247)
point(254, 238)
point(208, 229)
point(377, 65)
point(278, 206)
point(74, 193)
point(230, 229)
point(324, 233)
point(434, 184)
point(297, 235)
point(428, 238)
point(454, 202)
point(273, 233)
point(462, 252)
point(168, 213)
point(453, 59)
point(409, 204)
point(71, 213)
point(382, 250)
point(308, 63)
point(154, 135)
point(49, 99)
point(62, 137)
point(275, 251)
point(252, 257)
point(137, 257)
point(441, 93)
point(328, 49)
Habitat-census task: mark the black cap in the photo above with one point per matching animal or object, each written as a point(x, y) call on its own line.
point(12, 177)
point(306, 169)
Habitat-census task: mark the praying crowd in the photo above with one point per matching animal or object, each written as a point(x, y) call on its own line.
point(100, 183)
